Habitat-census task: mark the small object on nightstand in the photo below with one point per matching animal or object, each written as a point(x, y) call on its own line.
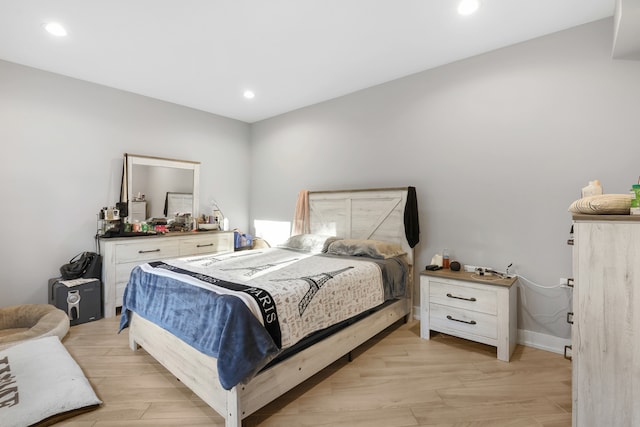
point(432, 267)
point(454, 266)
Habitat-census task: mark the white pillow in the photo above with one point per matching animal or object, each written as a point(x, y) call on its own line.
point(47, 384)
point(603, 204)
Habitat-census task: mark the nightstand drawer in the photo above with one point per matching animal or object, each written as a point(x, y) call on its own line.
point(455, 320)
point(466, 297)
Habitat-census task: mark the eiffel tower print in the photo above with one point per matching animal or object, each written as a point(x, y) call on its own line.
point(315, 283)
point(257, 268)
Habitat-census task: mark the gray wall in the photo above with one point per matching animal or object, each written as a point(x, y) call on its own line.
point(498, 146)
point(63, 141)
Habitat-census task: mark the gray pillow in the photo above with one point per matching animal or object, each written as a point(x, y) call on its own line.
point(369, 248)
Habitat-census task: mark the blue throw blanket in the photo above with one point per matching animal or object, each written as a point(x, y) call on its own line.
point(217, 325)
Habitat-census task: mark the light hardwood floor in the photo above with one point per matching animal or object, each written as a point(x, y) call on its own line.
point(394, 380)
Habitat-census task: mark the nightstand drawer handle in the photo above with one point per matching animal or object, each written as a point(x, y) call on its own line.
point(149, 251)
point(470, 322)
point(204, 246)
point(472, 299)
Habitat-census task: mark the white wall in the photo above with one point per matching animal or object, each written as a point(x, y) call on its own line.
point(498, 146)
point(63, 141)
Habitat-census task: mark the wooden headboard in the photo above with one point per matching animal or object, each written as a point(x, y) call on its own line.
point(361, 214)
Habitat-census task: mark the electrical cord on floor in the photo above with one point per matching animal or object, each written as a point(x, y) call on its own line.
point(543, 318)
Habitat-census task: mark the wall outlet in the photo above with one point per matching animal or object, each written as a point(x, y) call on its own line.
point(564, 281)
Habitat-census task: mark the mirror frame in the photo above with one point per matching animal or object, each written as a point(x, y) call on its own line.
point(134, 159)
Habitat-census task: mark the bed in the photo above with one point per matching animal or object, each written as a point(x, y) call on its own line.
point(271, 360)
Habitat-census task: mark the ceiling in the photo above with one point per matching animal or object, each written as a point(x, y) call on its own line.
point(292, 53)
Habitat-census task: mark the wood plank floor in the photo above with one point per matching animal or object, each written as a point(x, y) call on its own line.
point(394, 380)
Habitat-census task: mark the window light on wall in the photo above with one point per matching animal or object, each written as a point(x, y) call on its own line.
point(468, 7)
point(55, 28)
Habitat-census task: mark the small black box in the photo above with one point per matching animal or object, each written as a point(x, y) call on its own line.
point(81, 300)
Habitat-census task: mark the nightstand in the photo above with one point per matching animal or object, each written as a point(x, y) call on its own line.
point(466, 305)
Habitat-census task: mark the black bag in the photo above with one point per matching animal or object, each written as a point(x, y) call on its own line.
point(86, 265)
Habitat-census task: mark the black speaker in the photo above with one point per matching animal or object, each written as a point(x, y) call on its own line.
point(455, 266)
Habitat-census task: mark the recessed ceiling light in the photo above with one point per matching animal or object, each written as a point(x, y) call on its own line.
point(56, 29)
point(467, 7)
point(249, 94)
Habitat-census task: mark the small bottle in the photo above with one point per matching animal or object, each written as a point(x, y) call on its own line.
point(593, 189)
point(445, 258)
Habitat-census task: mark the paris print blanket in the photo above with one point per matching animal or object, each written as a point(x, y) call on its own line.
point(244, 307)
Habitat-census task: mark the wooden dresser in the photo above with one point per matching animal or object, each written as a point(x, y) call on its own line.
point(121, 255)
point(469, 306)
point(606, 321)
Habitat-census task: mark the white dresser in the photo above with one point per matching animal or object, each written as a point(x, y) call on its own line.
point(121, 255)
point(465, 305)
point(606, 321)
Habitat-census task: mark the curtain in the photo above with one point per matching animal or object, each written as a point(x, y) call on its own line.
point(301, 216)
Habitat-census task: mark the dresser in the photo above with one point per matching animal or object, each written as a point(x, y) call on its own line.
point(121, 255)
point(466, 305)
point(606, 321)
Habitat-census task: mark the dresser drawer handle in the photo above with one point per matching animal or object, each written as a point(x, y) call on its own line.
point(149, 251)
point(469, 322)
point(570, 317)
point(472, 299)
point(567, 349)
point(204, 246)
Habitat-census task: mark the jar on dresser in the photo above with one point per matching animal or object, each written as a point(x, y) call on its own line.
point(122, 254)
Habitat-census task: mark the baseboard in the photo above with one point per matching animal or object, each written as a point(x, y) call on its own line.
point(542, 341)
point(531, 339)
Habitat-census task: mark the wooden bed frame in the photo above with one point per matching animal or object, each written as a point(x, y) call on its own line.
point(359, 214)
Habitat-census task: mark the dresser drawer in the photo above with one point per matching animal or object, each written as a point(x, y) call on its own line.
point(206, 244)
point(454, 321)
point(123, 271)
point(464, 296)
point(147, 249)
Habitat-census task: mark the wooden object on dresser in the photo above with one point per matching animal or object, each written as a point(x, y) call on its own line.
point(606, 321)
point(122, 254)
point(469, 306)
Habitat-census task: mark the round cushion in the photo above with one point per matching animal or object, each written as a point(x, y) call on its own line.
point(24, 322)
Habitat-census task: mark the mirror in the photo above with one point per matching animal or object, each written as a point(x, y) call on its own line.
point(149, 183)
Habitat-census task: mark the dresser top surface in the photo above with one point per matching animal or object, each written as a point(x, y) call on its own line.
point(629, 218)
point(470, 277)
point(169, 234)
